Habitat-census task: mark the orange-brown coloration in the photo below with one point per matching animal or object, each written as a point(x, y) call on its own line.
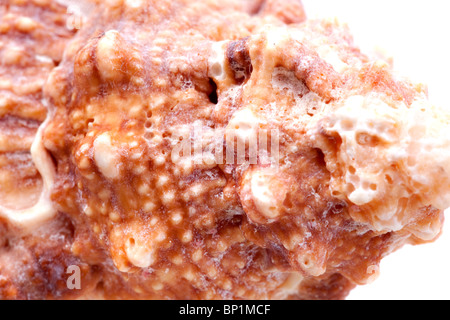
point(33, 37)
point(32, 41)
point(145, 223)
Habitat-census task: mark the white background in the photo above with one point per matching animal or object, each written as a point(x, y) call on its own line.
point(417, 35)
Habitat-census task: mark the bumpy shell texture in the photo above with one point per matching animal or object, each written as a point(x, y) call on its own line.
point(205, 150)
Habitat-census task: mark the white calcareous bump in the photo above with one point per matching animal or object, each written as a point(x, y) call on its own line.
point(385, 150)
point(362, 196)
point(31, 218)
point(263, 196)
point(143, 189)
point(276, 38)
point(149, 206)
point(290, 285)
point(134, 3)
point(162, 181)
point(44, 60)
point(187, 236)
point(216, 61)
point(428, 231)
point(310, 265)
point(106, 156)
point(168, 197)
point(426, 148)
point(139, 254)
point(112, 53)
point(176, 218)
point(374, 272)
point(12, 55)
point(26, 24)
point(243, 126)
point(364, 159)
point(4, 102)
point(263, 193)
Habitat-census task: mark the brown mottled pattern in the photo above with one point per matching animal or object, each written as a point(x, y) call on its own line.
point(144, 222)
